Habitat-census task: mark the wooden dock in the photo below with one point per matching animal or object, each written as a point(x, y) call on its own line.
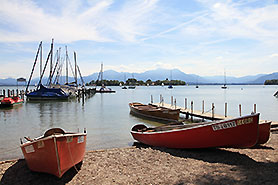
point(194, 113)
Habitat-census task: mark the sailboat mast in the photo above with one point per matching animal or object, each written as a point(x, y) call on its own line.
point(41, 61)
point(75, 72)
point(51, 61)
point(101, 72)
point(67, 71)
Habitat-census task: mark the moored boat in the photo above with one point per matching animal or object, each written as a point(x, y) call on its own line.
point(55, 152)
point(240, 132)
point(154, 112)
point(11, 101)
point(264, 132)
point(44, 93)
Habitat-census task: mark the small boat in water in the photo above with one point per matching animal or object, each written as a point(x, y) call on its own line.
point(55, 152)
point(240, 132)
point(44, 93)
point(154, 112)
point(264, 132)
point(11, 101)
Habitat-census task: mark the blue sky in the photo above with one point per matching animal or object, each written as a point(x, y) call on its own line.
point(203, 37)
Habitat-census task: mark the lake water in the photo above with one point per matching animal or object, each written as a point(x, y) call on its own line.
point(107, 119)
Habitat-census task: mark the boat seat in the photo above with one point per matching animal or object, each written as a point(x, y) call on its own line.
point(53, 131)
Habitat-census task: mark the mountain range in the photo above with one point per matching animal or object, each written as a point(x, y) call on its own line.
point(162, 74)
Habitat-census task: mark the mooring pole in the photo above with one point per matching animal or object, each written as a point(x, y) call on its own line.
point(192, 111)
point(203, 106)
point(185, 103)
point(255, 108)
point(151, 98)
point(239, 109)
point(226, 109)
point(175, 103)
point(171, 101)
point(212, 110)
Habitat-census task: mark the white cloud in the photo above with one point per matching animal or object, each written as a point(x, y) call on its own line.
point(273, 55)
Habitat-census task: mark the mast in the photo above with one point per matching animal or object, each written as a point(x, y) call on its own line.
point(51, 61)
point(75, 72)
point(101, 72)
point(67, 71)
point(41, 62)
point(39, 49)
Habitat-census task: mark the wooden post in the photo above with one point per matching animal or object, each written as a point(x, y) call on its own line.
point(83, 94)
point(8, 93)
point(171, 101)
point(175, 103)
point(255, 108)
point(151, 98)
point(185, 103)
point(226, 109)
point(13, 94)
point(17, 93)
point(192, 111)
point(212, 110)
point(203, 107)
point(239, 109)
point(162, 101)
point(4, 93)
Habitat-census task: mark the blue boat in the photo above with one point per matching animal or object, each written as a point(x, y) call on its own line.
point(44, 93)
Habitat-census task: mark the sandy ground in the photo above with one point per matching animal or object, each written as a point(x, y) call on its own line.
point(152, 165)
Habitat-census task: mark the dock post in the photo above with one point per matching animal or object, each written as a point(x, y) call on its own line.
point(162, 101)
point(239, 109)
point(191, 111)
point(185, 103)
point(171, 101)
point(175, 103)
point(17, 93)
point(8, 95)
point(151, 98)
point(4, 93)
point(203, 107)
point(212, 110)
point(226, 109)
point(255, 108)
point(83, 96)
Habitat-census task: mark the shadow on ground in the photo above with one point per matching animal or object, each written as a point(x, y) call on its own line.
point(19, 173)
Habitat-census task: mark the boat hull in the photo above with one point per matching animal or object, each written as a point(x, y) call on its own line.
point(55, 154)
point(9, 102)
point(154, 112)
point(241, 132)
point(264, 132)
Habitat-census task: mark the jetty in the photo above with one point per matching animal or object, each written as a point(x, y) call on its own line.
point(190, 113)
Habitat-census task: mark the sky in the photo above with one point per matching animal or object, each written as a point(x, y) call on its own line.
point(203, 37)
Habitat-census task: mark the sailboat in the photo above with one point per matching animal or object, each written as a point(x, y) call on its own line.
point(103, 89)
point(124, 87)
point(42, 92)
point(170, 85)
point(225, 83)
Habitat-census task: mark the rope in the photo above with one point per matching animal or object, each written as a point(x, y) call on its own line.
point(71, 157)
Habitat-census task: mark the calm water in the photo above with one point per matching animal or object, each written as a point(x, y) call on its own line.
point(106, 116)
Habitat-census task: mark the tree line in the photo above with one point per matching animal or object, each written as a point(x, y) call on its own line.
point(133, 81)
point(271, 82)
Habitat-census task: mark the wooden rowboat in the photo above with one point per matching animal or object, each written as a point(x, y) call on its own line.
point(154, 112)
point(239, 132)
point(11, 101)
point(55, 152)
point(264, 132)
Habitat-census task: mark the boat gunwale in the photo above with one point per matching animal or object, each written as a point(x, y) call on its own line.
point(42, 138)
point(193, 127)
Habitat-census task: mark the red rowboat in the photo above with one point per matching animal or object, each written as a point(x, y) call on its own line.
point(55, 152)
point(11, 101)
point(154, 112)
point(239, 132)
point(264, 132)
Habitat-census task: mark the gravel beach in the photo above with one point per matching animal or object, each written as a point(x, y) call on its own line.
point(142, 164)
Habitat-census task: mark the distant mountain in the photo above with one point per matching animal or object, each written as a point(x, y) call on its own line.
point(263, 78)
point(161, 74)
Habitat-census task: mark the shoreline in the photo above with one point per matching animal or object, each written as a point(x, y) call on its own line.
point(154, 165)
